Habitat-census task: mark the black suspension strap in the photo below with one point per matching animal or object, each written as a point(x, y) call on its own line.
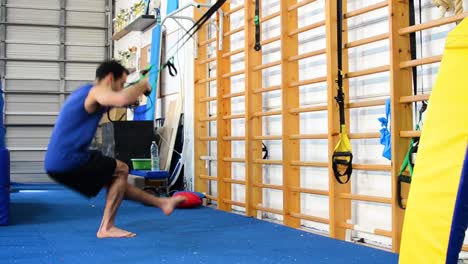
point(257, 26)
point(342, 157)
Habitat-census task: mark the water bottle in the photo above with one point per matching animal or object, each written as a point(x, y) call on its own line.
point(154, 156)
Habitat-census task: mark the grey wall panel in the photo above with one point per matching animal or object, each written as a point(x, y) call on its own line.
point(37, 137)
point(36, 103)
point(70, 86)
point(29, 120)
point(50, 4)
point(21, 15)
point(86, 19)
point(32, 85)
point(90, 5)
point(29, 51)
point(33, 34)
point(32, 70)
point(78, 36)
point(82, 53)
point(80, 71)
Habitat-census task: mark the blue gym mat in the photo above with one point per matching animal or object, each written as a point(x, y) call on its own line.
point(54, 225)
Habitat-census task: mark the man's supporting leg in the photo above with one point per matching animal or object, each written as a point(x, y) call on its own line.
point(115, 194)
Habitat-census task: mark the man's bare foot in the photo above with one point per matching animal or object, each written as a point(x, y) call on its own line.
point(114, 232)
point(168, 204)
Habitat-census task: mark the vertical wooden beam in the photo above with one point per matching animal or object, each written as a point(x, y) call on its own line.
point(253, 124)
point(200, 111)
point(223, 86)
point(340, 209)
point(400, 85)
point(290, 99)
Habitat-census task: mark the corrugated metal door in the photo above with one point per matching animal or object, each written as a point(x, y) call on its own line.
point(47, 49)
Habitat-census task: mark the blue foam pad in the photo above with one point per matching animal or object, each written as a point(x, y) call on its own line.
point(152, 175)
point(4, 206)
point(4, 167)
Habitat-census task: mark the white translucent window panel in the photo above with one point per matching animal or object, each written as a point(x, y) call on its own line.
point(32, 85)
point(237, 19)
point(270, 7)
point(80, 71)
point(365, 119)
point(36, 103)
point(237, 40)
point(238, 149)
point(30, 34)
point(21, 15)
point(238, 193)
point(314, 122)
point(312, 40)
point(28, 51)
point(311, 13)
point(272, 125)
point(78, 36)
point(315, 205)
point(238, 84)
point(271, 76)
point(271, 101)
point(313, 67)
point(369, 56)
point(237, 105)
point(314, 178)
point(272, 174)
point(370, 86)
point(212, 128)
point(275, 149)
point(89, 5)
point(238, 127)
point(21, 137)
point(372, 183)
point(368, 151)
point(273, 199)
point(271, 28)
point(271, 52)
point(86, 19)
point(81, 53)
point(32, 70)
point(313, 94)
point(315, 150)
point(212, 108)
point(51, 4)
point(212, 148)
point(238, 171)
point(372, 216)
point(237, 63)
point(369, 24)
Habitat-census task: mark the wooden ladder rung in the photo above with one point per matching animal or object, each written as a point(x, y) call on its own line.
point(229, 180)
point(232, 138)
point(206, 42)
point(372, 167)
point(369, 103)
point(365, 198)
point(365, 41)
point(310, 218)
point(269, 17)
point(238, 160)
point(205, 157)
point(232, 53)
point(269, 113)
point(203, 81)
point(367, 71)
point(268, 89)
point(269, 186)
point(309, 81)
point(207, 177)
point(267, 65)
point(366, 9)
point(307, 28)
point(269, 162)
point(414, 98)
point(234, 31)
point(211, 197)
point(270, 40)
point(208, 99)
point(208, 138)
point(236, 203)
point(205, 61)
point(368, 135)
point(236, 116)
point(269, 137)
point(418, 62)
point(232, 95)
point(234, 9)
point(379, 232)
point(269, 210)
point(232, 74)
point(207, 119)
point(300, 4)
point(410, 134)
point(307, 55)
point(465, 248)
point(309, 191)
point(309, 164)
point(316, 108)
point(309, 136)
point(433, 24)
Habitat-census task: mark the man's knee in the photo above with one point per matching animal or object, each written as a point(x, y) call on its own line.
point(121, 170)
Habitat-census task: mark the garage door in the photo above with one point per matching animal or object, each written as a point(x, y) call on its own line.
point(48, 48)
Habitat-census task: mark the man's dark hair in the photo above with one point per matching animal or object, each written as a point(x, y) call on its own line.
point(110, 66)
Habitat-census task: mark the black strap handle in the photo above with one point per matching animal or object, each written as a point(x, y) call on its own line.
point(337, 160)
point(257, 46)
point(405, 179)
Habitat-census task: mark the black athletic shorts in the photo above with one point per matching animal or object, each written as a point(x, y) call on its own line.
point(90, 178)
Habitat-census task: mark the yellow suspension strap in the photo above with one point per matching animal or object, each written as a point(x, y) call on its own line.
point(342, 157)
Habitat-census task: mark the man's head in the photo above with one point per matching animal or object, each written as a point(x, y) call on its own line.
point(113, 70)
